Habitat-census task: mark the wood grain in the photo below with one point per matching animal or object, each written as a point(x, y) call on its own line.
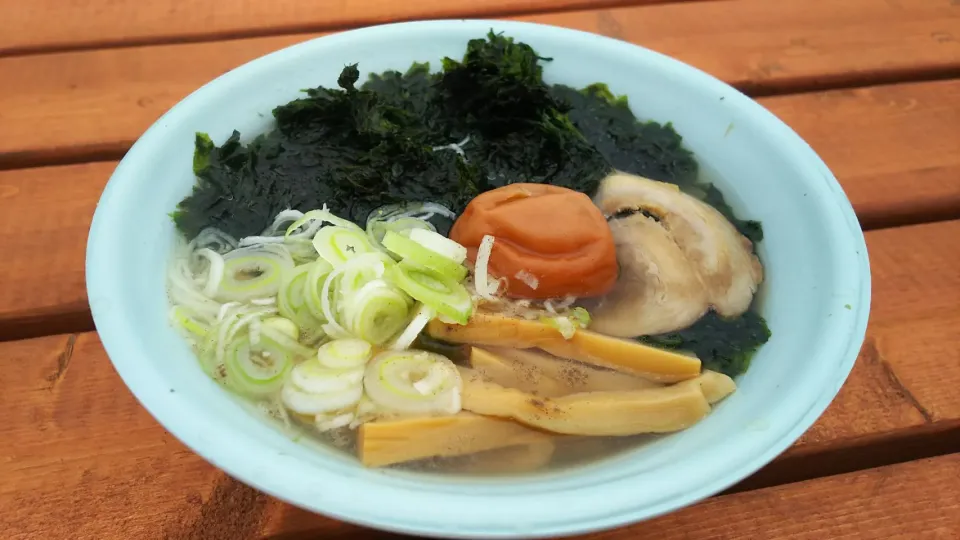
point(45, 25)
point(909, 501)
point(894, 149)
point(44, 216)
point(81, 455)
point(56, 108)
point(789, 45)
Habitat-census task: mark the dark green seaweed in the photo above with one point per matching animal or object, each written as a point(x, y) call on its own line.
point(724, 345)
point(392, 140)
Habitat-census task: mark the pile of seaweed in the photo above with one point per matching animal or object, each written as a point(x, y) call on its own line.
point(482, 122)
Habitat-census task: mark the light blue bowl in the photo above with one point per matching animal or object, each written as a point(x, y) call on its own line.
point(816, 296)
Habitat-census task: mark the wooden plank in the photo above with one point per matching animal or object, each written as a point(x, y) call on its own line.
point(94, 104)
point(44, 217)
point(80, 452)
point(765, 47)
point(909, 501)
point(893, 148)
point(46, 25)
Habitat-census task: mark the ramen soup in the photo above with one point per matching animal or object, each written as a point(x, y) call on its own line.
point(469, 269)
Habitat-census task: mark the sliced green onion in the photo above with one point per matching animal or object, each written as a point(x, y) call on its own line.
point(378, 227)
point(313, 287)
point(292, 297)
point(334, 304)
point(568, 323)
point(421, 318)
point(416, 253)
point(311, 223)
point(314, 389)
point(214, 270)
point(283, 325)
point(440, 244)
point(580, 317)
point(562, 324)
point(337, 245)
point(285, 342)
point(413, 382)
point(189, 320)
point(255, 370)
point(443, 294)
point(377, 312)
point(312, 377)
point(355, 277)
point(302, 402)
point(345, 353)
point(311, 328)
point(326, 422)
point(253, 272)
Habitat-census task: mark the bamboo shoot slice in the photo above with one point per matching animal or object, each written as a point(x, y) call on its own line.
point(573, 376)
point(511, 374)
point(651, 410)
point(389, 442)
point(510, 460)
point(715, 386)
point(486, 329)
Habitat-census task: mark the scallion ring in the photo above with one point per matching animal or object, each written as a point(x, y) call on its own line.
point(413, 382)
point(337, 245)
point(443, 294)
point(313, 286)
point(345, 353)
point(377, 312)
point(416, 253)
point(255, 371)
point(253, 272)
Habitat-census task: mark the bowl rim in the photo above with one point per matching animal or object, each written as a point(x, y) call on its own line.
point(120, 339)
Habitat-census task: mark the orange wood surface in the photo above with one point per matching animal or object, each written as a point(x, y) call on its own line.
point(42, 25)
point(872, 85)
point(910, 501)
point(94, 104)
point(82, 455)
point(863, 135)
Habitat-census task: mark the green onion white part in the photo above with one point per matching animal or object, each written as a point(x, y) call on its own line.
point(345, 353)
point(377, 312)
point(485, 288)
point(308, 225)
point(421, 318)
point(440, 244)
point(313, 287)
point(337, 245)
point(413, 382)
point(256, 370)
point(253, 272)
point(327, 422)
point(377, 228)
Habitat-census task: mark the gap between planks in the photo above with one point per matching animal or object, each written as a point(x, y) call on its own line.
point(73, 107)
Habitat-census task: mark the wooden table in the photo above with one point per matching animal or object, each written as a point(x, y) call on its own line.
point(872, 85)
